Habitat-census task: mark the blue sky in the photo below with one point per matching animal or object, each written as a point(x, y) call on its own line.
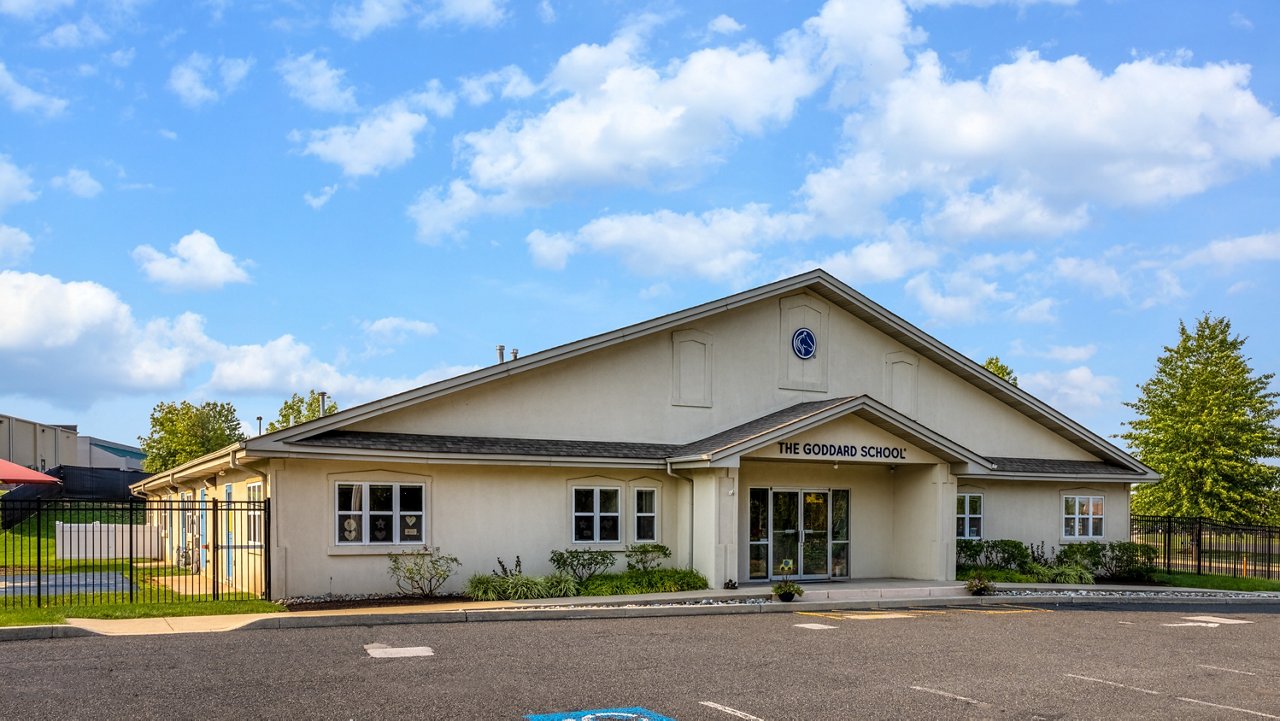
point(235, 200)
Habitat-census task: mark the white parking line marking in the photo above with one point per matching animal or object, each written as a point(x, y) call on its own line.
point(874, 616)
point(1113, 683)
point(1215, 619)
point(949, 695)
point(1229, 708)
point(1228, 670)
point(1190, 623)
point(814, 626)
point(382, 650)
point(731, 711)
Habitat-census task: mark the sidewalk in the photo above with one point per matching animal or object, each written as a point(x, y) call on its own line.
point(860, 594)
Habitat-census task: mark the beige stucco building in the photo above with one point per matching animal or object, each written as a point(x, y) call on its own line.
point(798, 428)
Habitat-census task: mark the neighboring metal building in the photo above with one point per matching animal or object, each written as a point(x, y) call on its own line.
point(36, 445)
point(794, 429)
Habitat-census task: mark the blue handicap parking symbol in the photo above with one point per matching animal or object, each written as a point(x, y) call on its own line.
point(634, 713)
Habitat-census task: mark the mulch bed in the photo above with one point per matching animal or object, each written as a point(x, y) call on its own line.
point(337, 604)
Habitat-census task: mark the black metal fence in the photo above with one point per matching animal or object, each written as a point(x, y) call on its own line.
point(65, 552)
point(1202, 546)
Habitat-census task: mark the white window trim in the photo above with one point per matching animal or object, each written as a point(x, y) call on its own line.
point(1063, 515)
point(255, 518)
point(635, 514)
point(364, 513)
point(966, 515)
point(622, 514)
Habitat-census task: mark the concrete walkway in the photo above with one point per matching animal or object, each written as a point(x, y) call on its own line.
point(755, 598)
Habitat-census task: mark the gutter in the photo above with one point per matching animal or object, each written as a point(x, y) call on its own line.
point(691, 501)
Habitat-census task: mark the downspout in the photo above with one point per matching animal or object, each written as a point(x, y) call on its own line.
point(673, 474)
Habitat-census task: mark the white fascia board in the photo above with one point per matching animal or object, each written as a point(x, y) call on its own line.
point(210, 463)
point(358, 454)
point(1059, 477)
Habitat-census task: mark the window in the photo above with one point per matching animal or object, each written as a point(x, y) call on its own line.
point(596, 515)
point(1082, 516)
point(254, 513)
point(372, 513)
point(968, 515)
point(646, 515)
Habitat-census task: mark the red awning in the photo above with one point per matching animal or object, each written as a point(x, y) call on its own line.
point(14, 473)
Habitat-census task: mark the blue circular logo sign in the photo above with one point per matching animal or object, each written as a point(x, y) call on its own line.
point(804, 343)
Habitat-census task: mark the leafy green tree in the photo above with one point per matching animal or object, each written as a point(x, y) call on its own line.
point(182, 431)
point(298, 409)
point(1204, 422)
point(994, 365)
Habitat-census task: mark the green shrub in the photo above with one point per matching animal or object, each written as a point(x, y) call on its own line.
point(519, 587)
point(997, 575)
point(646, 556)
point(659, 580)
point(1128, 561)
point(422, 571)
point(485, 587)
point(1006, 553)
point(504, 572)
point(1088, 554)
point(979, 585)
point(582, 563)
point(559, 585)
point(968, 552)
point(1070, 573)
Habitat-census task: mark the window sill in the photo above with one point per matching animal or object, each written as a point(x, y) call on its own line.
point(373, 549)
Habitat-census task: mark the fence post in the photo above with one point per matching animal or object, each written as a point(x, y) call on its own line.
point(213, 548)
point(266, 546)
point(1199, 544)
point(39, 554)
point(1168, 544)
point(132, 533)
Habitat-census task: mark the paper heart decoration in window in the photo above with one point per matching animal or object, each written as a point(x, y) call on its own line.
point(349, 529)
point(411, 520)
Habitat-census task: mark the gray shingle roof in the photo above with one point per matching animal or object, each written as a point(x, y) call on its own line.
point(751, 429)
point(1050, 465)
point(473, 445)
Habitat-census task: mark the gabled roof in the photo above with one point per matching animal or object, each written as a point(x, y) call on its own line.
point(818, 282)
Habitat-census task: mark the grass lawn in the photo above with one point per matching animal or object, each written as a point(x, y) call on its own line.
point(1221, 583)
point(59, 614)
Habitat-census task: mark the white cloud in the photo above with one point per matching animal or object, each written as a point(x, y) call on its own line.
point(167, 134)
point(434, 98)
point(1001, 212)
point(1233, 252)
point(550, 250)
point(383, 139)
point(920, 4)
point(318, 200)
point(468, 13)
point(1077, 389)
point(1096, 275)
point(361, 20)
point(724, 25)
point(1071, 353)
point(122, 58)
point(27, 9)
point(397, 330)
point(863, 43)
point(438, 213)
point(196, 263)
point(1040, 311)
point(319, 86)
point(78, 182)
point(1240, 21)
point(21, 98)
point(962, 297)
point(15, 245)
point(720, 244)
point(83, 336)
point(85, 33)
point(625, 123)
point(894, 256)
point(191, 79)
point(15, 184)
point(513, 83)
point(546, 13)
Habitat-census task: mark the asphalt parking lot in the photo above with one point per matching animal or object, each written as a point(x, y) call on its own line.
point(1192, 661)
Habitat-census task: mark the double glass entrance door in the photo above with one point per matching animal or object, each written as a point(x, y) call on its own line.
point(801, 534)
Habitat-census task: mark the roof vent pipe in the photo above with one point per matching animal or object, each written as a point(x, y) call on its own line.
point(502, 354)
point(515, 353)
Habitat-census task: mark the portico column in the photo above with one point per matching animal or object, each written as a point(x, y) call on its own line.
point(715, 524)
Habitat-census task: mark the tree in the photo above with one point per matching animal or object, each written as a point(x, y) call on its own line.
point(1205, 422)
point(298, 409)
point(994, 365)
point(182, 431)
